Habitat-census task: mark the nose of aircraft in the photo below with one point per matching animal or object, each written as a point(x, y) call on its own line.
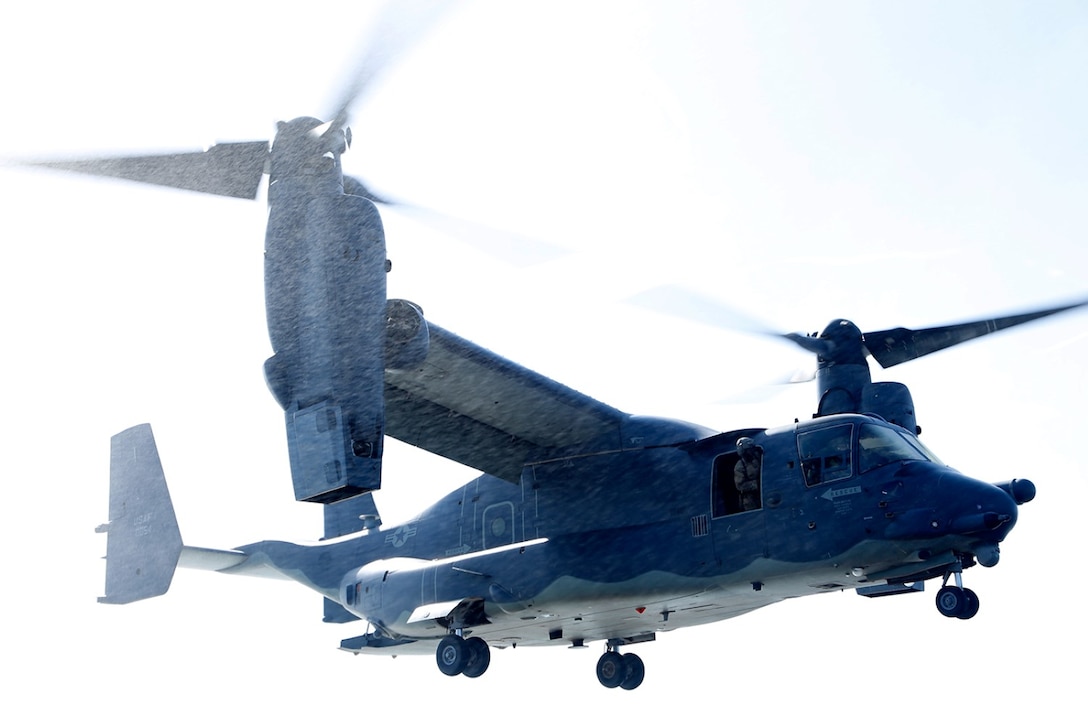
point(988, 511)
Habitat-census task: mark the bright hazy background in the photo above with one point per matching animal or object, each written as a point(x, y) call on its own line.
point(895, 163)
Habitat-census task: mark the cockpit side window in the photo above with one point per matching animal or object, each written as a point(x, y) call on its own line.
point(825, 454)
point(879, 446)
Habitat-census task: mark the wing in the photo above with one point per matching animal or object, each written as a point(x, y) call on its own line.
point(472, 406)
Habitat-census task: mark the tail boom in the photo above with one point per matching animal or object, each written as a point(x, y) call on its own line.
point(144, 546)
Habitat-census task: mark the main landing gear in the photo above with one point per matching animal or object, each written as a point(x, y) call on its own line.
point(623, 671)
point(459, 656)
point(954, 600)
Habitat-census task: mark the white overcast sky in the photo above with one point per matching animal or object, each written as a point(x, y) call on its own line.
point(894, 163)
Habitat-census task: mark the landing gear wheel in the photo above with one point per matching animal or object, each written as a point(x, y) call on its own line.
point(953, 601)
point(634, 671)
point(452, 655)
point(970, 605)
point(611, 670)
point(479, 657)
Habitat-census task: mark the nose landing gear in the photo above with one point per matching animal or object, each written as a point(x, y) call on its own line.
point(624, 671)
point(954, 600)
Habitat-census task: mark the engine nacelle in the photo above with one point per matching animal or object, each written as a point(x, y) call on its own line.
point(325, 269)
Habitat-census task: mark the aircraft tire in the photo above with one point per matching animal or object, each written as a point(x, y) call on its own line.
point(951, 601)
point(970, 605)
point(611, 670)
point(634, 671)
point(452, 655)
point(479, 657)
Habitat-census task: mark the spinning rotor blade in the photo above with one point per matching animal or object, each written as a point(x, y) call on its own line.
point(898, 345)
point(687, 304)
point(518, 250)
point(225, 169)
point(399, 26)
point(841, 341)
point(236, 169)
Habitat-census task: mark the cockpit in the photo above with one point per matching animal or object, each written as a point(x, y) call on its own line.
point(827, 454)
point(828, 450)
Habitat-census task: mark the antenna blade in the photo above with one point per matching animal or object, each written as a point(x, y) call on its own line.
point(226, 169)
point(898, 345)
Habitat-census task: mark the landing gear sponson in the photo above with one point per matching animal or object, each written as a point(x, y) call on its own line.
point(471, 657)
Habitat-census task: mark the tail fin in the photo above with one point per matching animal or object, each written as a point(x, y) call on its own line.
point(144, 542)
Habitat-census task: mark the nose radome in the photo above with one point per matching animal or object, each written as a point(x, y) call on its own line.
point(992, 512)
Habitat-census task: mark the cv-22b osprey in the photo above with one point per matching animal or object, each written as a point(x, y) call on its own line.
point(587, 524)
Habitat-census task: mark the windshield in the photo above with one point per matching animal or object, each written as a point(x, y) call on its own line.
point(878, 446)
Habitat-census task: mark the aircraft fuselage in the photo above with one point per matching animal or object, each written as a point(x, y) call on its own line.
point(620, 545)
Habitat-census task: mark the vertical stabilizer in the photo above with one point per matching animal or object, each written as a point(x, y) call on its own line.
point(144, 542)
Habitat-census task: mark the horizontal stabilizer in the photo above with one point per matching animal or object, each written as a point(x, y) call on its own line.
point(144, 542)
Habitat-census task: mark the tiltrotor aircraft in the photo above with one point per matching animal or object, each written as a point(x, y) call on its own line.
point(587, 524)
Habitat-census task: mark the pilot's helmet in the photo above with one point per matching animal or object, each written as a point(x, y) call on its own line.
point(745, 445)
